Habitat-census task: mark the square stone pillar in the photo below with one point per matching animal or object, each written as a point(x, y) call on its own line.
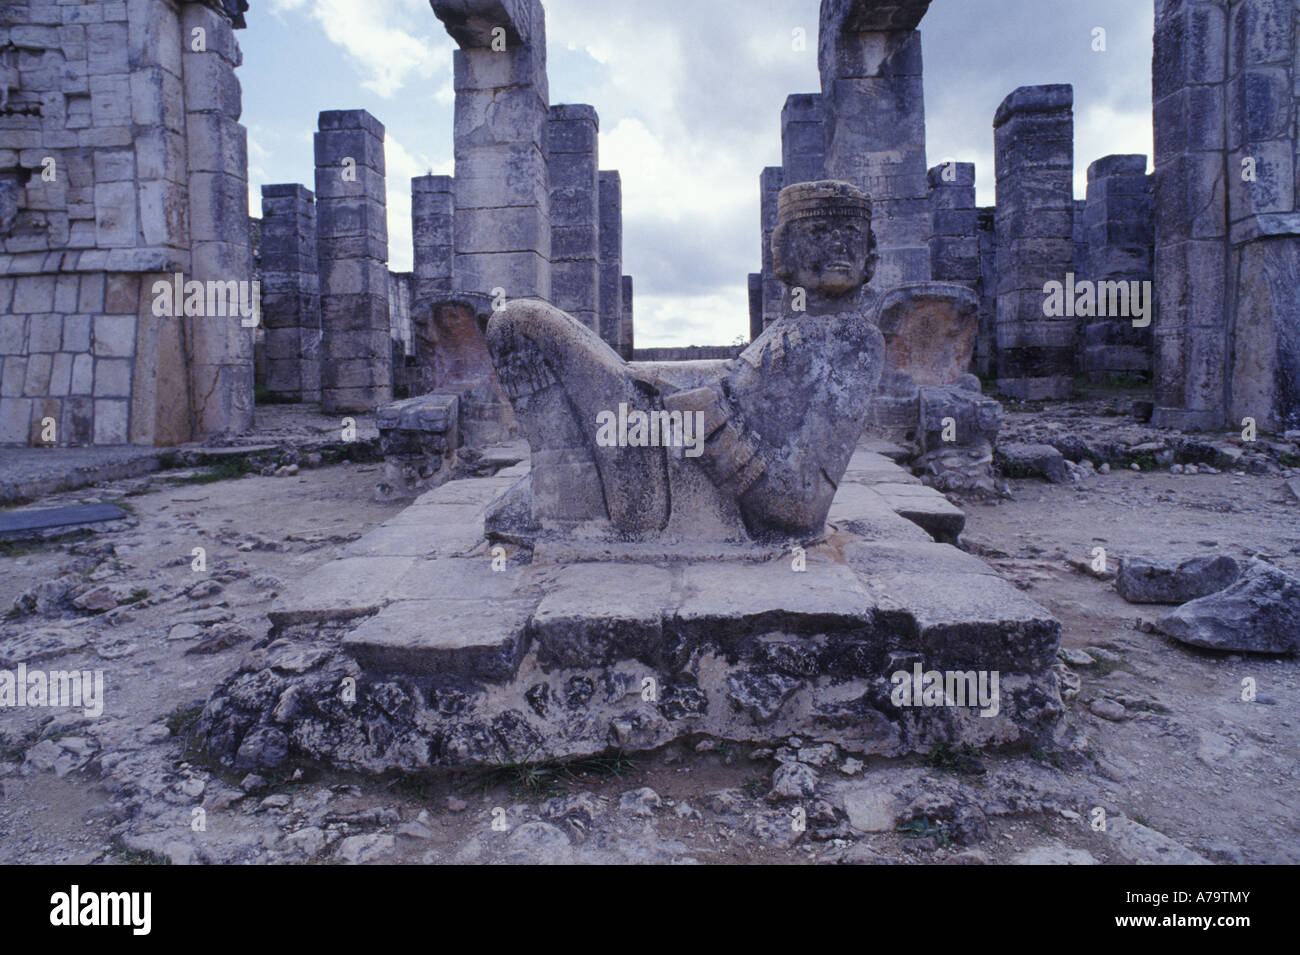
point(1118, 239)
point(626, 338)
point(803, 138)
point(1034, 146)
point(954, 239)
point(220, 348)
point(290, 293)
point(575, 212)
point(770, 184)
point(503, 228)
point(433, 210)
point(352, 236)
point(611, 257)
point(873, 99)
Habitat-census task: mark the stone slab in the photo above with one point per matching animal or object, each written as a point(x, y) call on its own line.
point(472, 639)
point(24, 522)
point(343, 589)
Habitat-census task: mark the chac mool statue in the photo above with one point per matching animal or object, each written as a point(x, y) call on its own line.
point(751, 448)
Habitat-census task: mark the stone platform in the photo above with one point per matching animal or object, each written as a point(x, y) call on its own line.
point(428, 645)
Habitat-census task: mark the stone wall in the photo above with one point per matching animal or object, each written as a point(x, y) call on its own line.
point(122, 166)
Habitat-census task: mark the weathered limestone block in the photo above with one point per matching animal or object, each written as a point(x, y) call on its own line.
point(352, 245)
point(759, 442)
point(1034, 134)
point(1259, 613)
point(419, 438)
point(1172, 580)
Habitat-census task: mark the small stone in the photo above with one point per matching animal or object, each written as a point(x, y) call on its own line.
point(98, 600)
point(640, 802)
point(456, 804)
point(793, 781)
point(204, 588)
point(358, 850)
point(276, 801)
point(414, 830)
point(1134, 467)
point(184, 631)
point(1190, 469)
point(1076, 658)
point(252, 783)
point(851, 766)
point(1107, 710)
point(968, 857)
point(1105, 468)
point(1176, 469)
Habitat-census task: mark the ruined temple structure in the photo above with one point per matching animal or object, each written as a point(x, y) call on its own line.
point(1214, 229)
point(127, 271)
point(133, 308)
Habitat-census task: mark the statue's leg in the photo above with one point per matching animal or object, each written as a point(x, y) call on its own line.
point(560, 375)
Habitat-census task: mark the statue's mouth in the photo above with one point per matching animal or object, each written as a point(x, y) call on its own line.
point(840, 267)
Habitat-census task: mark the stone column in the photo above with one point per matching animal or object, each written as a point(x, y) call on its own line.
point(755, 305)
point(575, 213)
point(611, 257)
point(220, 348)
point(290, 293)
point(626, 338)
point(1034, 145)
point(770, 184)
point(433, 210)
point(1189, 104)
point(954, 240)
point(352, 234)
point(1263, 198)
point(986, 342)
point(869, 55)
point(803, 138)
point(1118, 239)
point(503, 229)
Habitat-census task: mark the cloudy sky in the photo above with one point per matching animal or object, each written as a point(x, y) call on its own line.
point(689, 94)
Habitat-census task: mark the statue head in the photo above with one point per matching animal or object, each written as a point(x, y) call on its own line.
point(823, 240)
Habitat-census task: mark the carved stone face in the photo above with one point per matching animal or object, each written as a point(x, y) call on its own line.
point(827, 255)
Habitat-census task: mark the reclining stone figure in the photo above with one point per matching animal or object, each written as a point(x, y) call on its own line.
point(779, 423)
